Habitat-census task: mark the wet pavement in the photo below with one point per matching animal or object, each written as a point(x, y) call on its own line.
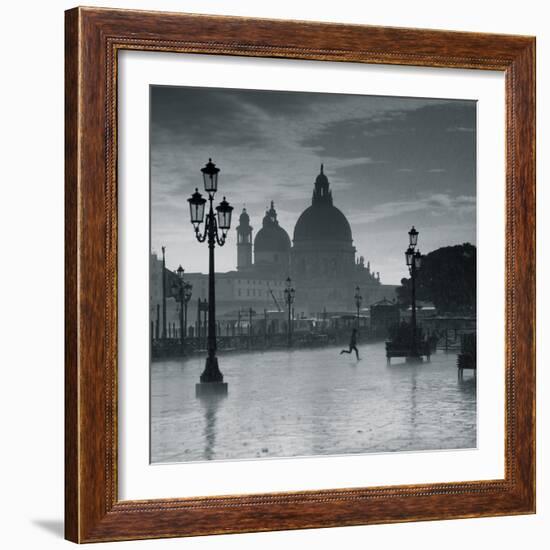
point(310, 402)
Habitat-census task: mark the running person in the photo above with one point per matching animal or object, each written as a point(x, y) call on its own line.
point(352, 344)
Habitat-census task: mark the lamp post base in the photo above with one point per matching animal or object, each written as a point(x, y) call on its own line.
point(211, 372)
point(210, 388)
point(211, 379)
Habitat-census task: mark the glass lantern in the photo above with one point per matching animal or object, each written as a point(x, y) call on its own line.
point(210, 177)
point(224, 210)
point(409, 254)
point(196, 206)
point(417, 260)
point(413, 236)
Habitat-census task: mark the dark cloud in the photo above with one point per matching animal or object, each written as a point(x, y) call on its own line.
point(392, 162)
point(209, 116)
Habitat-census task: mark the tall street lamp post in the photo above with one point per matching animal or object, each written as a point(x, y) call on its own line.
point(215, 231)
point(289, 299)
point(182, 291)
point(413, 259)
point(187, 294)
point(157, 331)
point(251, 312)
point(358, 302)
point(164, 293)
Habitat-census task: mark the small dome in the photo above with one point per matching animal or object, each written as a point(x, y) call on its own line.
point(244, 218)
point(271, 237)
point(272, 240)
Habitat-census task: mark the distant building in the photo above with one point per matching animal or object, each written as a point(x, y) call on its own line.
point(236, 290)
point(383, 315)
point(321, 260)
point(155, 296)
point(244, 242)
point(272, 246)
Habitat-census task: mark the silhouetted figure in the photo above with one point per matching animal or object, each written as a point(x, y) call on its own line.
point(352, 344)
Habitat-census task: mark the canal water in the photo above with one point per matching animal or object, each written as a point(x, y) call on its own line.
point(310, 402)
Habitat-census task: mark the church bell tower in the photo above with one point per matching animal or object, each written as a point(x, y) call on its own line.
point(244, 242)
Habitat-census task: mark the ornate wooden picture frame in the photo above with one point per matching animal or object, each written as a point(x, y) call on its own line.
point(93, 511)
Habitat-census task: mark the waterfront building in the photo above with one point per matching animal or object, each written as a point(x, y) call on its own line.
point(321, 259)
point(324, 266)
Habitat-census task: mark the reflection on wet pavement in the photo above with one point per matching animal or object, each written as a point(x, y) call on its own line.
point(310, 402)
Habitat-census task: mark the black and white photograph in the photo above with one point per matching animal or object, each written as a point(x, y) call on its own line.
point(312, 274)
point(269, 245)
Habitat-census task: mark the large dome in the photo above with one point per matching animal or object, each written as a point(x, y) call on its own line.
point(322, 221)
point(271, 237)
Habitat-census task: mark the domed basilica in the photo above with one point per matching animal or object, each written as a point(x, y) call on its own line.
point(321, 260)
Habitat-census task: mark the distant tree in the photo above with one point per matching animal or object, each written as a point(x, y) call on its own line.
point(447, 278)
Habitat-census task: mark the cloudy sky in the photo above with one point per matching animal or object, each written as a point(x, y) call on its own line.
point(392, 162)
